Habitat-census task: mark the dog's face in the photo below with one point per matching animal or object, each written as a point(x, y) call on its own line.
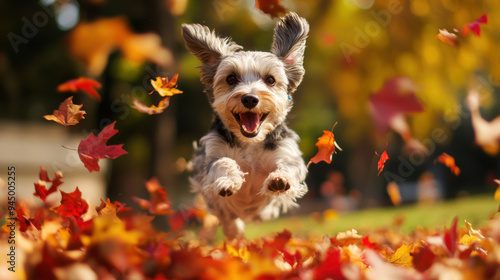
point(250, 91)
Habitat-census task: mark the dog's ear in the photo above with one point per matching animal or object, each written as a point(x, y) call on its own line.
point(289, 44)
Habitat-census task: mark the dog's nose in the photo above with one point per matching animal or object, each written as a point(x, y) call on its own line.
point(249, 100)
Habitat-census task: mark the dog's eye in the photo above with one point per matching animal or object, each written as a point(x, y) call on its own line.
point(231, 80)
point(270, 81)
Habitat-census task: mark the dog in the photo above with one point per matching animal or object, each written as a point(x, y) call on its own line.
point(249, 166)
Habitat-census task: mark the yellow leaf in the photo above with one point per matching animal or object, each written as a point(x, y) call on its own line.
point(164, 87)
point(402, 256)
point(497, 192)
point(468, 240)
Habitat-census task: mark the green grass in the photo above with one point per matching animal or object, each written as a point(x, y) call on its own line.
point(474, 209)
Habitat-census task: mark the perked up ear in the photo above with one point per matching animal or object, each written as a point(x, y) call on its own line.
point(289, 44)
point(207, 47)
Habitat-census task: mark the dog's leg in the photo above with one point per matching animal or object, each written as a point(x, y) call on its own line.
point(224, 178)
point(232, 228)
point(288, 178)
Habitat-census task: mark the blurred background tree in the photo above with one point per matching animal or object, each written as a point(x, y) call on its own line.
point(353, 48)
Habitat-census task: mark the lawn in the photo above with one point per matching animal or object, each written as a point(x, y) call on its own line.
point(475, 209)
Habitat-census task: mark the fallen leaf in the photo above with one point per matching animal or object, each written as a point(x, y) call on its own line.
point(447, 37)
point(159, 203)
point(165, 87)
point(274, 8)
point(392, 103)
point(475, 25)
point(451, 238)
point(402, 256)
point(393, 191)
point(449, 162)
point(423, 258)
point(383, 158)
point(326, 147)
point(72, 204)
point(41, 186)
point(67, 114)
point(85, 84)
point(150, 110)
point(94, 148)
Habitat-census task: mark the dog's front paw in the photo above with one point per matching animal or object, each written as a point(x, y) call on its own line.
point(225, 178)
point(276, 183)
point(227, 186)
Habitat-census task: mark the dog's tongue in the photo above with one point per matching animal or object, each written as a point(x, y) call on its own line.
point(249, 122)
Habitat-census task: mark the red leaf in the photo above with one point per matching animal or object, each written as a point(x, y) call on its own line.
point(326, 147)
point(159, 204)
point(331, 267)
point(67, 114)
point(41, 187)
point(393, 101)
point(449, 162)
point(94, 148)
point(85, 84)
point(383, 158)
point(270, 7)
point(72, 204)
point(451, 238)
point(475, 26)
point(423, 258)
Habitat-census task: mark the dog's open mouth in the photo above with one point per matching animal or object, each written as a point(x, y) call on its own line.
point(250, 123)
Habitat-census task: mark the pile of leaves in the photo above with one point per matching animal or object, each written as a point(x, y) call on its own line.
point(114, 242)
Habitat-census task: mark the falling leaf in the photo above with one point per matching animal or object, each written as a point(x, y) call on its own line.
point(393, 191)
point(41, 186)
point(72, 204)
point(383, 158)
point(497, 192)
point(159, 203)
point(85, 84)
point(151, 110)
point(326, 147)
point(475, 25)
point(392, 103)
point(67, 114)
point(402, 256)
point(447, 37)
point(274, 8)
point(449, 162)
point(165, 87)
point(94, 148)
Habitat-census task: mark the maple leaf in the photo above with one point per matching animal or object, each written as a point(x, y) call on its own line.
point(274, 8)
point(451, 238)
point(383, 158)
point(447, 37)
point(423, 258)
point(402, 256)
point(107, 207)
point(449, 162)
point(475, 25)
point(159, 204)
point(151, 110)
point(391, 103)
point(67, 114)
point(41, 187)
point(85, 84)
point(393, 191)
point(326, 147)
point(331, 266)
point(72, 204)
point(165, 87)
point(94, 148)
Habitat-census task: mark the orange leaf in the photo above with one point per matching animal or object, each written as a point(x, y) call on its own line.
point(497, 192)
point(159, 203)
point(326, 147)
point(67, 114)
point(94, 148)
point(383, 158)
point(270, 7)
point(164, 87)
point(393, 191)
point(72, 204)
point(84, 84)
point(447, 37)
point(151, 110)
point(449, 162)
